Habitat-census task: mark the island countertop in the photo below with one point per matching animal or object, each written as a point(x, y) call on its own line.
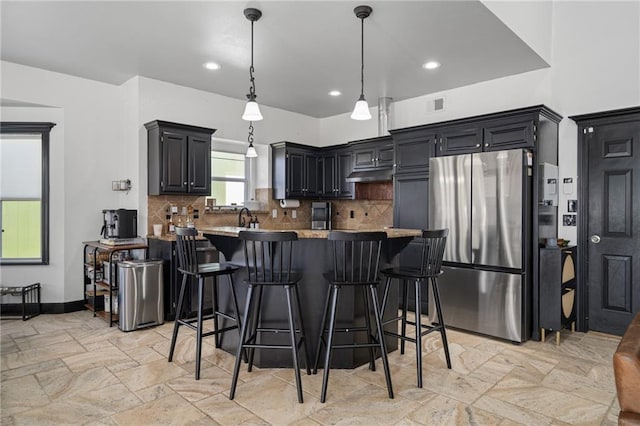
point(232, 231)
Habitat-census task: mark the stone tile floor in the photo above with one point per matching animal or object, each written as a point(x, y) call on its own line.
point(73, 369)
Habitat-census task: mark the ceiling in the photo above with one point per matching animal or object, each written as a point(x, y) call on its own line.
point(302, 49)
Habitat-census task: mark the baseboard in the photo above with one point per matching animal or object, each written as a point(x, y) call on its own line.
point(11, 309)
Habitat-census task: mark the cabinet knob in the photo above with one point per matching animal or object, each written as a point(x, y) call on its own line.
point(486, 144)
point(185, 183)
point(477, 145)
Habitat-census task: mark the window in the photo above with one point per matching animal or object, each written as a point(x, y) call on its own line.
point(24, 193)
point(228, 178)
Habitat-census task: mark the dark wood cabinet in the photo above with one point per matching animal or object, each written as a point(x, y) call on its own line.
point(498, 136)
point(336, 166)
point(179, 158)
point(413, 151)
point(460, 140)
point(373, 153)
point(557, 289)
point(296, 171)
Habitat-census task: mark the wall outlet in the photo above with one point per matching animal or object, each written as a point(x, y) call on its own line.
point(294, 214)
point(274, 213)
point(174, 209)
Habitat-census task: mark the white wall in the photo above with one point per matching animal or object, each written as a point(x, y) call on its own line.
point(85, 157)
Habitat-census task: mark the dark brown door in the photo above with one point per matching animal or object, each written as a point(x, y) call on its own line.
point(613, 237)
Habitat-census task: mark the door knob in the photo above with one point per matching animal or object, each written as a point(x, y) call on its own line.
point(595, 239)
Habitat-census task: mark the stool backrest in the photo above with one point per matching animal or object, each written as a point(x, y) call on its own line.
point(356, 256)
point(186, 248)
point(268, 256)
point(434, 242)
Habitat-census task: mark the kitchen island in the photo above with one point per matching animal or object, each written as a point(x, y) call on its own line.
point(312, 257)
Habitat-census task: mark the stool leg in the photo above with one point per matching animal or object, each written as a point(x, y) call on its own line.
point(307, 356)
point(385, 294)
point(199, 326)
point(367, 318)
point(403, 323)
point(443, 332)
point(237, 312)
point(330, 335)
point(383, 344)
point(323, 327)
point(243, 336)
point(216, 309)
point(416, 283)
point(255, 323)
point(176, 324)
point(294, 344)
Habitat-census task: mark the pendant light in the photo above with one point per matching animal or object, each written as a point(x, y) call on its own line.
point(251, 110)
point(251, 151)
point(361, 110)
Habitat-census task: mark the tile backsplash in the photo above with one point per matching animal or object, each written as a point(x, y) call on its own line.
point(347, 214)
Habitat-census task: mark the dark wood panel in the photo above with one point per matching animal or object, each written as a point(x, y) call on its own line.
point(295, 176)
point(413, 154)
point(617, 148)
point(509, 136)
point(617, 283)
point(411, 201)
point(174, 164)
point(617, 204)
point(460, 140)
point(199, 165)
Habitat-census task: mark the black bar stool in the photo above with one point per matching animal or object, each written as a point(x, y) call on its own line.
point(356, 260)
point(268, 257)
point(190, 268)
point(433, 243)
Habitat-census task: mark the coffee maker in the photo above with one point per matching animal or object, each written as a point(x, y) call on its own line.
point(120, 223)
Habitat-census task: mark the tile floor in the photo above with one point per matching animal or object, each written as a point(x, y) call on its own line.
point(73, 369)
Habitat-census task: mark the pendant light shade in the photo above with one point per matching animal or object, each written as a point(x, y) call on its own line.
point(361, 109)
point(252, 110)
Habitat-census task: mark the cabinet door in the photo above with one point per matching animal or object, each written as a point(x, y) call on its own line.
point(345, 167)
point(295, 174)
point(364, 158)
point(460, 140)
point(329, 176)
point(413, 153)
point(174, 162)
point(312, 175)
point(385, 155)
point(411, 201)
point(199, 165)
point(509, 136)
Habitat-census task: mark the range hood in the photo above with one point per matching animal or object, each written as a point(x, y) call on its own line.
point(374, 175)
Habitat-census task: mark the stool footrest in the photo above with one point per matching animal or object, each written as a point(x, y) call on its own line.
point(357, 345)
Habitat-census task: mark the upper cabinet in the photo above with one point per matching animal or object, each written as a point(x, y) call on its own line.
point(413, 150)
point(372, 153)
point(296, 171)
point(179, 158)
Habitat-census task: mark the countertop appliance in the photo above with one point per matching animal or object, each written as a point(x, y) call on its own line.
point(321, 215)
point(485, 201)
point(120, 223)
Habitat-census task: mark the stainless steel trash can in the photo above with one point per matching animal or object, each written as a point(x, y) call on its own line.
point(140, 294)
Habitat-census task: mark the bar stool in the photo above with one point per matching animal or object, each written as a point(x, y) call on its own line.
point(190, 268)
point(268, 256)
point(356, 260)
point(433, 243)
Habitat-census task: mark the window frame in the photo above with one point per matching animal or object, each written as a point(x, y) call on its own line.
point(245, 180)
point(44, 129)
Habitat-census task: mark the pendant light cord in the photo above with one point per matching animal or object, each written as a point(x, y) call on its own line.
point(361, 56)
point(252, 89)
point(250, 137)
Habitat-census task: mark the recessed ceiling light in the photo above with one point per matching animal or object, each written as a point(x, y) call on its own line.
point(431, 65)
point(335, 93)
point(211, 66)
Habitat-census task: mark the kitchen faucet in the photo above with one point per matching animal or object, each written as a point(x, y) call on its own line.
point(241, 221)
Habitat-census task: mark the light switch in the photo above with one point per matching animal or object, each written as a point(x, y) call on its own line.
point(274, 213)
point(294, 214)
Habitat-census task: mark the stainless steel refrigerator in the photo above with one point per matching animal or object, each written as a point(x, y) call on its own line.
point(485, 201)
